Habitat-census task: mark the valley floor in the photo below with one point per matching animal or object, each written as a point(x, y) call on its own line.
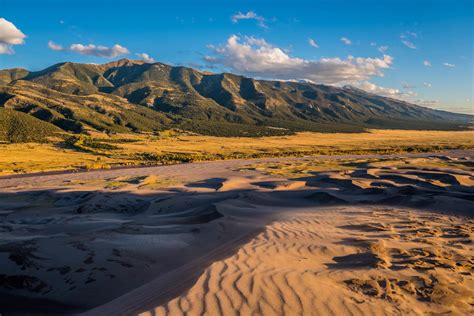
point(340, 235)
point(99, 151)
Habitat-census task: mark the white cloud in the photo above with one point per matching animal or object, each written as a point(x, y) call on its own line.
point(346, 41)
point(427, 84)
point(255, 57)
point(386, 92)
point(146, 58)
point(52, 45)
point(407, 43)
point(407, 94)
point(373, 44)
point(249, 16)
point(9, 35)
point(312, 43)
point(449, 65)
point(99, 51)
point(92, 50)
point(382, 49)
point(6, 49)
point(373, 88)
point(427, 63)
point(406, 39)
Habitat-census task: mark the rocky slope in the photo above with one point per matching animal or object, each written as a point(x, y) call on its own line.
point(133, 96)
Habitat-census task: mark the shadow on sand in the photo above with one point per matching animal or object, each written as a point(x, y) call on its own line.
point(67, 251)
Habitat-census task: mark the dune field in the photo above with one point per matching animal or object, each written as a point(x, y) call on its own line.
point(338, 235)
point(225, 158)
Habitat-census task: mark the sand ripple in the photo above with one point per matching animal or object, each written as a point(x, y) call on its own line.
point(309, 264)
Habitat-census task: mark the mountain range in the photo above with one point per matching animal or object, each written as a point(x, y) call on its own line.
point(133, 96)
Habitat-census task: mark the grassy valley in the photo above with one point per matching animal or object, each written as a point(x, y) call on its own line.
point(82, 116)
point(79, 152)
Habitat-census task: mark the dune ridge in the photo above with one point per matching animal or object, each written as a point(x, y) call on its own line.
point(343, 236)
point(288, 269)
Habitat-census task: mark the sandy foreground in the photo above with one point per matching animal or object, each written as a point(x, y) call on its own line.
point(234, 237)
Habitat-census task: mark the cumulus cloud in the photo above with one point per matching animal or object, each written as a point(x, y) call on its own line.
point(373, 88)
point(92, 50)
point(382, 49)
point(427, 84)
point(250, 15)
point(9, 35)
point(145, 57)
point(99, 51)
point(407, 39)
point(387, 92)
point(255, 57)
point(346, 41)
point(312, 43)
point(384, 91)
point(427, 63)
point(449, 65)
point(53, 46)
point(6, 49)
point(408, 96)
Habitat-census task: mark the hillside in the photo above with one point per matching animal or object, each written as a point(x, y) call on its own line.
point(133, 96)
point(17, 127)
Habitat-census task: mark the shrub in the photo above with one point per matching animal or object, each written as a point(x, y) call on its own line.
point(18, 127)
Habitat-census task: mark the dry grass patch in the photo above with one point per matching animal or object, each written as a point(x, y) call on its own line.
point(101, 151)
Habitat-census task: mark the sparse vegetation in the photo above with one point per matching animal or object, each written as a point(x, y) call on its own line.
point(89, 144)
point(153, 98)
point(102, 151)
point(17, 127)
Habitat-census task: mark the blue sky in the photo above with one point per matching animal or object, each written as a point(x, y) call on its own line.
point(420, 51)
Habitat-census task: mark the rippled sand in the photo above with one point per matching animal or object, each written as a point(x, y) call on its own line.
point(341, 261)
point(225, 238)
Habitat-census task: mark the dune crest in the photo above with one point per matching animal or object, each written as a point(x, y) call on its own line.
point(308, 264)
point(343, 236)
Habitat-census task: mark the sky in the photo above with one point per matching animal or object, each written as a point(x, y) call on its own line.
point(420, 51)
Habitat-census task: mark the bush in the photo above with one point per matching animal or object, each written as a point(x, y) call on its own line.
point(88, 144)
point(18, 127)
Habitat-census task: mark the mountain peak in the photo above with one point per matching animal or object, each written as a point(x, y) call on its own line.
point(130, 95)
point(124, 62)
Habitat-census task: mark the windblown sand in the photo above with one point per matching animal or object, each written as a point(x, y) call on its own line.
point(341, 261)
point(346, 236)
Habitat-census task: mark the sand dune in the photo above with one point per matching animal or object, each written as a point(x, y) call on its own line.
point(308, 264)
point(228, 238)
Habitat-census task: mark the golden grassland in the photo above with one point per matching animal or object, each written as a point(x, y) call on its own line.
point(102, 151)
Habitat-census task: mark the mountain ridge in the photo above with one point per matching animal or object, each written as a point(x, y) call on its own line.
point(134, 96)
